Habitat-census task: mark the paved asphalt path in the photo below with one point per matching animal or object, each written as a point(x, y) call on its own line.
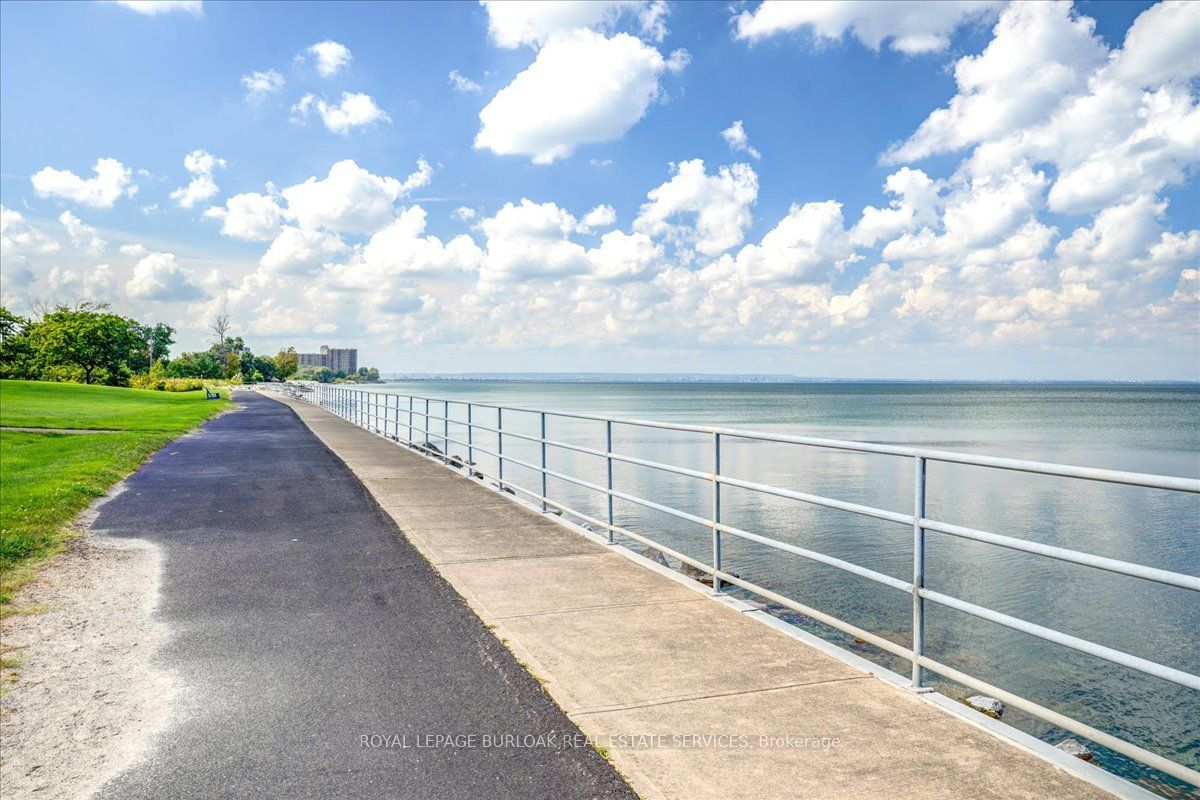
point(302, 620)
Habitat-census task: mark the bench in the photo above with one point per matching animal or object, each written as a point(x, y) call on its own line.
point(209, 394)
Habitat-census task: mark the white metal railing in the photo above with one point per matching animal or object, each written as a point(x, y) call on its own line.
point(407, 419)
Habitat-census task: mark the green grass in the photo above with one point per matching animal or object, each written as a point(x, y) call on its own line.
point(46, 479)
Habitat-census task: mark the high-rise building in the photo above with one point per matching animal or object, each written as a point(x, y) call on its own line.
point(338, 359)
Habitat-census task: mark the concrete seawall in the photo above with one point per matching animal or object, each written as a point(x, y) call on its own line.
point(690, 695)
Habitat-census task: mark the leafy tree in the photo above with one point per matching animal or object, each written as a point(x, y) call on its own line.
point(286, 363)
point(158, 339)
point(195, 365)
point(16, 355)
point(318, 374)
point(86, 341)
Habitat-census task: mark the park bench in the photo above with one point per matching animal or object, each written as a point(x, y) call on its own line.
point(209, 394)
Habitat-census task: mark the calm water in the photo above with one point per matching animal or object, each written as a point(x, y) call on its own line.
point(1139, 428)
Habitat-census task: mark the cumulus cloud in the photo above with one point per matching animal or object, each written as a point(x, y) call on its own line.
point(715, 208)
point(297, 251)
point(248, 216)
point(401, 248)
point(735, 136)
point(512, 24)
point(909, 28)
point(914, 205)
point(261, 85)
point(582, 88)
point(153, 8)
point(350, 199)
point(464, 213)
point(19, 238)
point(806, 246)
point(136, 250)
point(158, 277)
point(356, 110)
point(112, 180)
point(602, 216)
point(82, 235)
point(462, 83)
point(200, 164)
point(531, 240)
point(330, 57)
point(1039, 54)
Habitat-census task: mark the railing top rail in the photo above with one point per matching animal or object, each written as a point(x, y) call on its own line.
point(1146, 480)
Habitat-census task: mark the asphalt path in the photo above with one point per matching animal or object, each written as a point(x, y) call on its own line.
point(321, 656)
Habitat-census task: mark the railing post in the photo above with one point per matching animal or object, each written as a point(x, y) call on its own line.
point(716, 513)
point(425, 441)
point(500, 447)
point(609, 477)
point(470, 442)
point(918, 609)
point(543, 420)
point(410, 425)
point(445, 431)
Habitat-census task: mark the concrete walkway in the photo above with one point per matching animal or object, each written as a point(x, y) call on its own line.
point(680, 686)
point(301, 621)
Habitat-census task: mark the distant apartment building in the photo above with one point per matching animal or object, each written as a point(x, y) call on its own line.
point(338, 359)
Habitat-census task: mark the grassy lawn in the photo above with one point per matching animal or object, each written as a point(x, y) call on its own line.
point(46, 478)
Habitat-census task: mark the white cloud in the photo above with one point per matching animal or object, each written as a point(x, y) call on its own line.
point(83, 236)
point(260, 85)
point(806, 246)
point(464, 213)
point(626, 257)
point(1160, 46)
point(602, 216)
point(1041, 52)
point(718, 204)
point(330, 57)
point(735, 136)
point(19, 238)
point(135, 250)
point(462, 83)
point(113, 179)
point(355, 110)
point(200, 164)
point(350, 199)
point(582, 88)
point(155, 7)
point(914, 205)
point(297, 251)
point(401, 248)
point(248, 216)
point(907, 27)
point(531, 240)
point(533, 22)
point(158, 277)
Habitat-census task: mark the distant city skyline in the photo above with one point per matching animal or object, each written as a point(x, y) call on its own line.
point(854, 190)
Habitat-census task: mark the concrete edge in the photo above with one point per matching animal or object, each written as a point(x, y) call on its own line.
point(1092, 774)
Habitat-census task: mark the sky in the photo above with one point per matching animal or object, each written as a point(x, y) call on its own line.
point(950, 190)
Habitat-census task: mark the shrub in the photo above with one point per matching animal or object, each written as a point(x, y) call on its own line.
point(167, 384)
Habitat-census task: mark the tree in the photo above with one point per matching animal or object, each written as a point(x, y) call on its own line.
point(99, 345)
point(158, 339)
point(286, 363)
point(16, 355)
point(195, 365)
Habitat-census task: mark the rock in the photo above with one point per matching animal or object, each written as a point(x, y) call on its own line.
point(1074, 748)
point(476, 474)
point(986, 705)
point(430, 447)
point(656, 556)
point(457, 462)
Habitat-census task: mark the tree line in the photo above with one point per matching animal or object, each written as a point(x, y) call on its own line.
point(87, 343)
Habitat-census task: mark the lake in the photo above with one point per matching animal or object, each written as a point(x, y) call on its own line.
point(1142, 428)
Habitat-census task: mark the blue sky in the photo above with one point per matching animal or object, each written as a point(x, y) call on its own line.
point(1018, 252)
